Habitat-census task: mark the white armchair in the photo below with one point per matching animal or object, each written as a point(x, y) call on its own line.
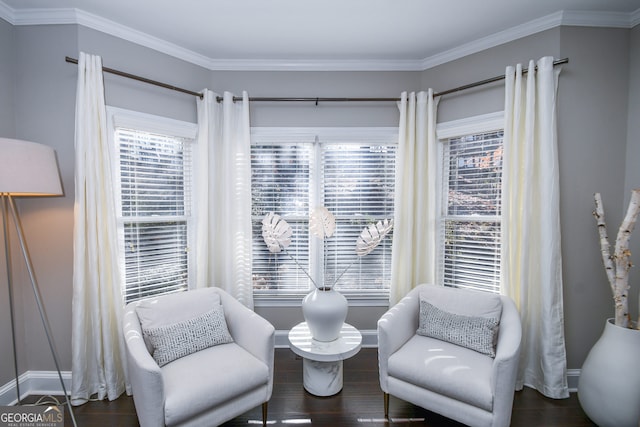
point(208, 386)
point(452, 380)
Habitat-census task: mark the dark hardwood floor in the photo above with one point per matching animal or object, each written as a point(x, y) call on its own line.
point(358, 404)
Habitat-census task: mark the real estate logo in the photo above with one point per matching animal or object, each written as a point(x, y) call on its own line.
point(31, 416)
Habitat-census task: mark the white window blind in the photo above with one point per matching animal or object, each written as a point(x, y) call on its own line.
point(470, 225)
point(155, 181)
point(281, 183)
point(358, 184)
point(353, 177)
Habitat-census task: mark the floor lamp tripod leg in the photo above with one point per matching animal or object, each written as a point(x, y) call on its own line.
point(7, 255)
point(36, 293)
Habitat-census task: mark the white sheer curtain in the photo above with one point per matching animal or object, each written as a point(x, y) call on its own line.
point(414, 236)
point(98, 360)
point(223, 195)
point(531, 258)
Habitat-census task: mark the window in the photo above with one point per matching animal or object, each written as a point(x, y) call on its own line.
point(470, 213)
point(153, 171)
point(351, 172)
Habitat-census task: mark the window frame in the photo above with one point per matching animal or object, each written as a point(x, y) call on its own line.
point(328, 135)
point(479, 124)
point(129, 119)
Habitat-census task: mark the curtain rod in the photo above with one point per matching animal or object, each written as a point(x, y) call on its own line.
point(310, 99)
point(442, 93)
point(141, 79)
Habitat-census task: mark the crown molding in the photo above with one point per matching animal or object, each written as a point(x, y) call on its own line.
point(598, 19)
point(80, 17)
point(496, 39)
point(138, 37)
point(45, 16)
point(315, 65)
point(568, 18)
point(6, 12)
point(635, 18)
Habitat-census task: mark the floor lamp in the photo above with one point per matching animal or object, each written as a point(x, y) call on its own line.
point(27, 169)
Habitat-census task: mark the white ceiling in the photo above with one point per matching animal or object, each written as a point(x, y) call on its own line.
point(321, 34)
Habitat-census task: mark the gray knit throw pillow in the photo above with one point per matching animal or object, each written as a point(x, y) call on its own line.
point(475, 333)
point(180, 339)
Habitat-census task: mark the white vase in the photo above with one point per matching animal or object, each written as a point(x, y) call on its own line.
point(325, 310)
point(609, 386)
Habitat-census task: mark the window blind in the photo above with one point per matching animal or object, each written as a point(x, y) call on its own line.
point(280, 183)
point(358, 184)
point(155, 174)
point(470, 226)
point(354, 180)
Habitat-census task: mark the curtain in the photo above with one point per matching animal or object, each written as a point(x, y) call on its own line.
point(531, 259)
point(413, 259)
point(98, 359)
point(223, 195)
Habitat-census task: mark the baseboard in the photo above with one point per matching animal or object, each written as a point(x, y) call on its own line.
point(34, 383)
point(48, 383)
point(573, 376)
point(369, 338)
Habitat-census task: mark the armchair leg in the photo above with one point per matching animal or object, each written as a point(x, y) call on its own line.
point(264, 414)
point(386, 406)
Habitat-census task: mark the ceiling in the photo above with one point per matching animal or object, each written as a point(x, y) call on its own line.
point(321, 34)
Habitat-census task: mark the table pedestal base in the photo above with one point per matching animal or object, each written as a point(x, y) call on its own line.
point(322, 378)
point(322, 360)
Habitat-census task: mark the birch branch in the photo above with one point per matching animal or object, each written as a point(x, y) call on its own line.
point(605, 250)
point(617, 265)
point(622, 253)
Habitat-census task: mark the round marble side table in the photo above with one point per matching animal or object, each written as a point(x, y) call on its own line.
point(322, 361)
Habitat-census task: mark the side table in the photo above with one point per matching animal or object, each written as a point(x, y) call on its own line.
point(322, 361)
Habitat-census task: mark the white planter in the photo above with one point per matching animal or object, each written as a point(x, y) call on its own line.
point(325, 311)
point(609, 387)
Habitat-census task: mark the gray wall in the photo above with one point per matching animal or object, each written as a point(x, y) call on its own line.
point(632, 169)
point(44, 111)
point(320, 84)
point(592, 113)
point(488, 63)
point(7, 130)
point(594, 139)
point(126, 93)
point(7, 50)
point(136, 96)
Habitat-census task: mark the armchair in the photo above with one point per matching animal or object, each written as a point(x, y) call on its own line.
point(210, 385)
point(450, 379)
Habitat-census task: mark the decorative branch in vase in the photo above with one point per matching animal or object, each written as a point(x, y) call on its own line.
point(618, 263)
point(324, 309)
point(608, 390)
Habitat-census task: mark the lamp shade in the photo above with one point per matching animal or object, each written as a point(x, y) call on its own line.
point(28, 169)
